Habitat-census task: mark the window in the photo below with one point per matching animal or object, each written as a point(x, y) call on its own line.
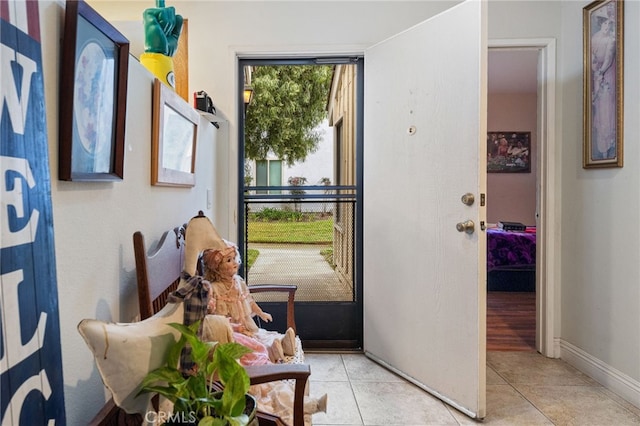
point(269, 173)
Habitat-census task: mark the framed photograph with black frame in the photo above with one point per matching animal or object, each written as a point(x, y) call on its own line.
point(603, 44)
point(508, 152)
point(93, 97)
point(173, 139)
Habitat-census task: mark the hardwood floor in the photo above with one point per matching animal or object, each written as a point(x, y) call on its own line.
point(511, 321)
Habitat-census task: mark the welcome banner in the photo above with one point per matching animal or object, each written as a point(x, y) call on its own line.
point(31, 381)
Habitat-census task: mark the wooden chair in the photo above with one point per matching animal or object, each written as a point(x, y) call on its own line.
point(158, 274)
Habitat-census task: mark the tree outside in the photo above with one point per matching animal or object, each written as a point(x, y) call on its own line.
point(283, 121)
point(290, 101)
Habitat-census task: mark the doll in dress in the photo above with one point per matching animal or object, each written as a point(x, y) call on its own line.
point(230, 297)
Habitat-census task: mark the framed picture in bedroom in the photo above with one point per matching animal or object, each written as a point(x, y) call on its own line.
point(174, 136)
point(93, 97)
point(603, 47)
point(508, 152)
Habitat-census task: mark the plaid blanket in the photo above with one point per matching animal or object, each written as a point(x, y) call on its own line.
point(194, 293)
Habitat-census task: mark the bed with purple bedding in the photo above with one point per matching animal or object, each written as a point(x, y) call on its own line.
point(511, 260)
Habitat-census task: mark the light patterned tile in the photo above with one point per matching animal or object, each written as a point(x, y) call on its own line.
point(493, 378)
point(342, 408)
point(505, 407)
point(578, 405)
point(392, 403)
point(361, 368)
point(532, 368)
point(326, 367)
point(523, 388)
point(626, 404)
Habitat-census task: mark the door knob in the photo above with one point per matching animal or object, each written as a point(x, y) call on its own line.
point(467, 226)
point(468, 199)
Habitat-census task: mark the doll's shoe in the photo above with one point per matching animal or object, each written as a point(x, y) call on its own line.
point(289, 342)
point(312, 406)
point(322, 404)
point(276, 355)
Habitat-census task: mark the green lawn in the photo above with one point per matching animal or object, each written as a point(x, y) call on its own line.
point(313, 232)
point(252, 255)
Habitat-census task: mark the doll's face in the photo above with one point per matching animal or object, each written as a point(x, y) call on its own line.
point(229, 265)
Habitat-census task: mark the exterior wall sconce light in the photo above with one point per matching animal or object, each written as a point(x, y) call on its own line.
point(248, 96)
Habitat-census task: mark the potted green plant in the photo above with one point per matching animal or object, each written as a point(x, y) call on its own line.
point(194, 395)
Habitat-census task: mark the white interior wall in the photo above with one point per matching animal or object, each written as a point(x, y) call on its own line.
point(598, 296)
point(94, 222)
point(600, 239)
point(227, 29)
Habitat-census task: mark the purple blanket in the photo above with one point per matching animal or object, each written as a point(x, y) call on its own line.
point(510, 249)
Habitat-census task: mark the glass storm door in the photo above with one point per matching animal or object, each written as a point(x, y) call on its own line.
point(303, 222)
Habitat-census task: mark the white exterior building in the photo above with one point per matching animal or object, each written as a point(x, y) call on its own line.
point(318, 165)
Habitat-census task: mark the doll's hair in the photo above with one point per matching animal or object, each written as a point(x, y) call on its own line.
point(211, 259)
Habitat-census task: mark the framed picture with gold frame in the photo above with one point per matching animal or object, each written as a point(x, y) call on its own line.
point(603, 22)
point(174, 136)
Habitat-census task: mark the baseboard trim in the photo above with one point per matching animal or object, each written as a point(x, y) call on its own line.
point(612, 379)
point(556, 348)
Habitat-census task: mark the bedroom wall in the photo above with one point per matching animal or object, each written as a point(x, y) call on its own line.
point(94, 222)
point(512, 196)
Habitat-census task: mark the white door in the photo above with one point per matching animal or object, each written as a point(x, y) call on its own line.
point(424, 148)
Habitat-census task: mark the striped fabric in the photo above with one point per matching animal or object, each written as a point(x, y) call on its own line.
point(22, 15)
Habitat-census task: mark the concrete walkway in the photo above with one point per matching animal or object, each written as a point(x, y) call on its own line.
point(298, 264)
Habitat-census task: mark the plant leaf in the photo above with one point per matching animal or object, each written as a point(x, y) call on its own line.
point(168, 392)
point(241, 420)
point(233, 396)
point(233, 349)
point(191, 394)
point(211, 421)
point(164, 374)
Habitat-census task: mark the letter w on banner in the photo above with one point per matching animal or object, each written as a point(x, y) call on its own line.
point(30, 355)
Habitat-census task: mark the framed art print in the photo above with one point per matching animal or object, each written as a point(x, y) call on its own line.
point(508, 152)
point(93, 97)
point(174, 136)
point(603, 83)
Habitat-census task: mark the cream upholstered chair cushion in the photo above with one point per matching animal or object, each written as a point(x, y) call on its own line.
point(200, 235)
point(126, 352)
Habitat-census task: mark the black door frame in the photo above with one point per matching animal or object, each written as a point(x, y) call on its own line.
point(314, 319)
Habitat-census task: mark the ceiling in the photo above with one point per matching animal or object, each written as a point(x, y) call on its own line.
point(512, 71)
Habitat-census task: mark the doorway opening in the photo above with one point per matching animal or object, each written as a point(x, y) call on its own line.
point(520, 296)
point(511, 191)
point(300, 191)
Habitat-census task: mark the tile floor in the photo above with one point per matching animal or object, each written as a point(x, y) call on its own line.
point(523, 388)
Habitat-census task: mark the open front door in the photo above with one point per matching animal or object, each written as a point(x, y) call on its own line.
point(424, 148)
